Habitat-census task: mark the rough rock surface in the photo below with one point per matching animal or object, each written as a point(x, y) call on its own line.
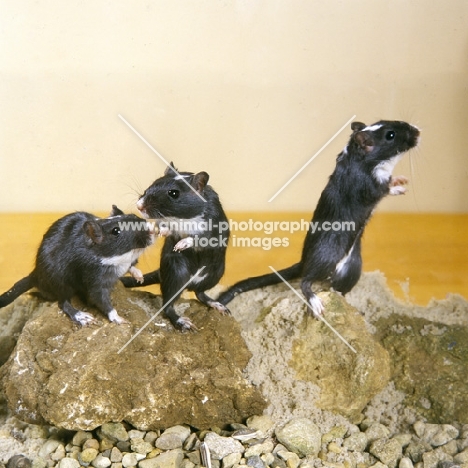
point(74, 378)
point(13, 319)
point(429, 364)
point(300, 364)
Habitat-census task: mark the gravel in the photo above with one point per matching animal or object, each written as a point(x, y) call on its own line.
point(298, 443)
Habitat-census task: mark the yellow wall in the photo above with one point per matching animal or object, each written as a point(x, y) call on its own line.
point(246, 90)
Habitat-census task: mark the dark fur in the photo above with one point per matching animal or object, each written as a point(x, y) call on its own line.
point(69, 261)
point(170, 198)
point(351, 194)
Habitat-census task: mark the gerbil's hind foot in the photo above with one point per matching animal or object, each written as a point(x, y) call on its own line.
point(81, 318)
point(316, 306)
point(205, 299)
point(114, 317)
point(184, 324)
point(313, 301)
point(179, 322)
point(396, 185)
point(220, 307)
point(84, 319)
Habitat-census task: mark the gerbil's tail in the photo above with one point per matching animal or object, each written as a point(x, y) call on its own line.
point(19, 288)
point(256, 282)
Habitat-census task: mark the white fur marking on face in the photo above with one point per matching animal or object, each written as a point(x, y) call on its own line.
point(180, 176)
point(383, 171)
point(342, 264)
point(317, 306)
point(372, 128)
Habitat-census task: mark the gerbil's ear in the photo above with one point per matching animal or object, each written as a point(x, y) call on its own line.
point(357, 126)
point(171, 169)
point(93, 232)
point(364, 141)
point(200, 180)
point(116, 211)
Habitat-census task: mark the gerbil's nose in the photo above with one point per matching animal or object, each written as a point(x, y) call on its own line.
point(140, 205)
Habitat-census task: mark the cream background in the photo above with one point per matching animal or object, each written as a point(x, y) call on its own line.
point(247, 90)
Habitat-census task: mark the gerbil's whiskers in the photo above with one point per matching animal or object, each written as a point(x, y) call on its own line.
point(161, 309)
point(308, 305)
point(312, 158)
point(159, 155)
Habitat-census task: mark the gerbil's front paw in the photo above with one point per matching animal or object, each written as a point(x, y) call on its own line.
point(183, 244)
point(316, 306)
point(116, 318)
point(83, 318)
point(398, 180)
point(397, 190)
point(185, 324)
point(220, 307)
point(164, 231)
point(396, 185)
point(137, 274)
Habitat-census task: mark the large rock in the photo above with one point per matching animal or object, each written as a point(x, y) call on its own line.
point(429, 364)
point(303, 367)
point(348, 381)
point(74, 378)
point(12, 320)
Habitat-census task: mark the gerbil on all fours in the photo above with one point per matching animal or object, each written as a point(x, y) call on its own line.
point(195, 227)
point(361, 179)
point(82, 255)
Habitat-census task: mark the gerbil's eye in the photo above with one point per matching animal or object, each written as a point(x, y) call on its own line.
point(173, 194)
point(390, 135)
point(115, 231)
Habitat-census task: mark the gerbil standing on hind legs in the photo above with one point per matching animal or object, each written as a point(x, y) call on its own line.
point(362, 177)
point(196, 231)
point(81, 255)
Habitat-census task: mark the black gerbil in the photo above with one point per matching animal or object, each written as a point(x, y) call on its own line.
point(362, 177)
point(81, 255)
point(190, 216)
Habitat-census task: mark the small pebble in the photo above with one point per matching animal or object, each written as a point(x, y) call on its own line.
point(259, 449)
point(116, 455)
point(129, 460)
point(300, 436)
point(356, 442)
point(150, 437)
point(137, 444)
point(81, 437)
point(334, 447)
point(91, 443)
point(405, 462)
point(255, 462)
point(113, 431)
point(19, 461)
point(135, 434)
point(88, 455)
point(101, 462)
point(48, 447)
point(69, 463)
